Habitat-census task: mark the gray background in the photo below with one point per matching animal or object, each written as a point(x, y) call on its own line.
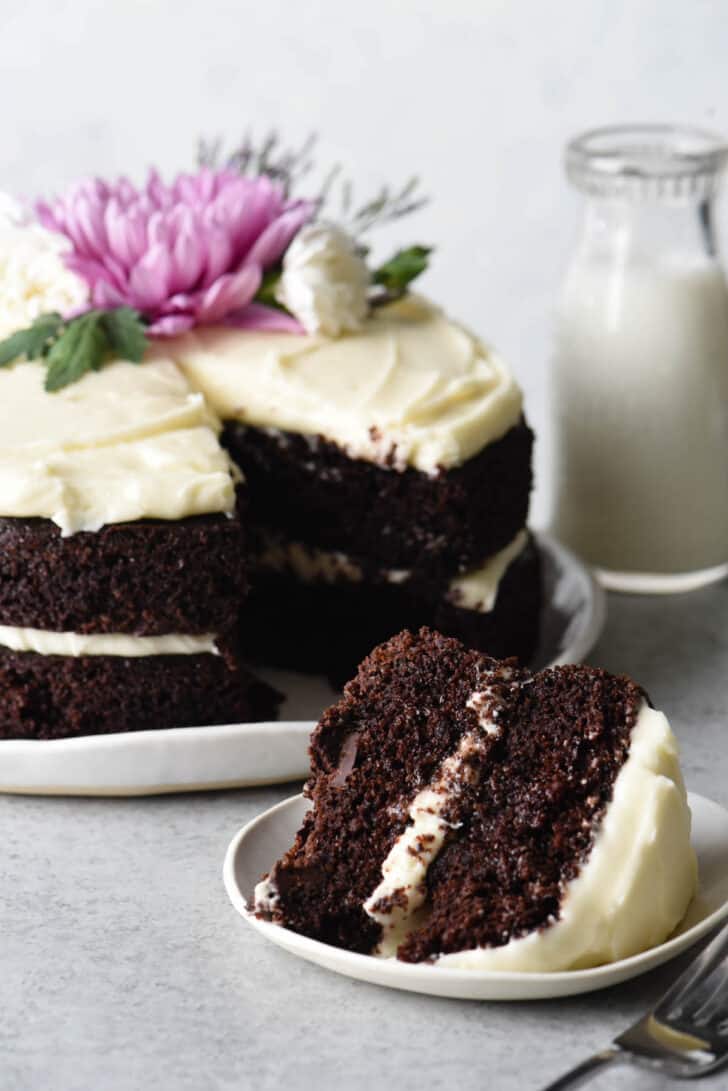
point(121, 964)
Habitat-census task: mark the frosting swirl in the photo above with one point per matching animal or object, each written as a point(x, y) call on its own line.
point(127, 442)
point(411, 388)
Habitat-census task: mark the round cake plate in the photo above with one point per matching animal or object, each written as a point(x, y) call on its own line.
point(266, 838)
point(245, 755)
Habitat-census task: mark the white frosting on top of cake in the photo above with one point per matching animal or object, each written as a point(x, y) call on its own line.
point(48, 642)
point(475, 590)
point(411, 388)
point(127, 442)
point(636, 883)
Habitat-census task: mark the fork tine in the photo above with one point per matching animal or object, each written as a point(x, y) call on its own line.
point(673, 1003)
point(702, 1000)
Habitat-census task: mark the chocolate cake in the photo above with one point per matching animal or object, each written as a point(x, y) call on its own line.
point(468, 813)
point(351, 497)
point(203, 380)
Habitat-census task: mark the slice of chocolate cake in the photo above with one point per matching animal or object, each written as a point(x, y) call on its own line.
point(469, 813)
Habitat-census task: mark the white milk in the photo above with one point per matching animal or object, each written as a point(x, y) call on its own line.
point(640, 389)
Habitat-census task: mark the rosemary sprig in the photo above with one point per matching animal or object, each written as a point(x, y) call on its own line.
point(288, 166)
point(386, 207)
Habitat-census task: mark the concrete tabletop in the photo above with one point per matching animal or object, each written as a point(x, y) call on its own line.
point(123, 966)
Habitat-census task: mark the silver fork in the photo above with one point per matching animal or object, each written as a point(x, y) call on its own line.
point(684, 1036)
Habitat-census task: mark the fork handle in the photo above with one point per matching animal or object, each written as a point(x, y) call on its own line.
point(580, 1075)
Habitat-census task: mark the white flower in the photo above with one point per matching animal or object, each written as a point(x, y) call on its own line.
point(33, 277)
point(325, 281)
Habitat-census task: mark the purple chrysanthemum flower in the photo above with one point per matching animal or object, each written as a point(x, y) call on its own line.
point(186, 254)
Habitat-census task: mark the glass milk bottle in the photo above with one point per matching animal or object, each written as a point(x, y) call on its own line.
point(640, 371)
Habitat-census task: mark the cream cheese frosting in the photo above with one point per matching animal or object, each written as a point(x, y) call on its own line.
point(127, 442)
point(411, 388)
point(629, 895)
point(48, 642)
point(478, 588)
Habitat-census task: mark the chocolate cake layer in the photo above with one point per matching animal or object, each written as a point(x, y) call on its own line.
point(529, 824)
point(54, 697)
point(311, 490)
point(520, 810)
point(328, 628)
point(149, 578)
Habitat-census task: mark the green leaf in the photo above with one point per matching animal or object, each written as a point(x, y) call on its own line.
point(81, 347)
point(397, 273)
point(33, 342)
point(125, 332)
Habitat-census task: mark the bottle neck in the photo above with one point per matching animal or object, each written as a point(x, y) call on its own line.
point(648, 232)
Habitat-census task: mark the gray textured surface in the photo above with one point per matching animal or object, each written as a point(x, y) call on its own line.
point(123, 966)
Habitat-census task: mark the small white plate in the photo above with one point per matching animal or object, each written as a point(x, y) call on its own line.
point(266, 838)
point(244, 755)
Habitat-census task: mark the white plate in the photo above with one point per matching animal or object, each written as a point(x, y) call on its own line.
point(266, 838)
point(244, 755)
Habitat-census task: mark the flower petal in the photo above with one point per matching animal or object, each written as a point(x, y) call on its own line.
point(229, 293)
point(218, 255)
point(276, 238)
point(188, 260)
point(169, 325)
point(149, 279)
point(256, 316)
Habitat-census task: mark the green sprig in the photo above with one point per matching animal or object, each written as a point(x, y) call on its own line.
point(74, 346)
point(34, 342)
point(395, 275)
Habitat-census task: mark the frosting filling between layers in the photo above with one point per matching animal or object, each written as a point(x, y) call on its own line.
point(476, 590)
point(412, 388)
point(46, 642)
point(630, 893)
point(402, 892)
point(124, 443)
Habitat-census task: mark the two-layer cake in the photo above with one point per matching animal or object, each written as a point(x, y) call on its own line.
point(122, 562)
point(468, 813)
point(224, 435)
point(389, 473)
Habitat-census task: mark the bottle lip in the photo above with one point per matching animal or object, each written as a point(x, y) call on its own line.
point(647, 162)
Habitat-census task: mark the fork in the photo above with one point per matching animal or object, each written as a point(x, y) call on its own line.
point(686, 1033)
